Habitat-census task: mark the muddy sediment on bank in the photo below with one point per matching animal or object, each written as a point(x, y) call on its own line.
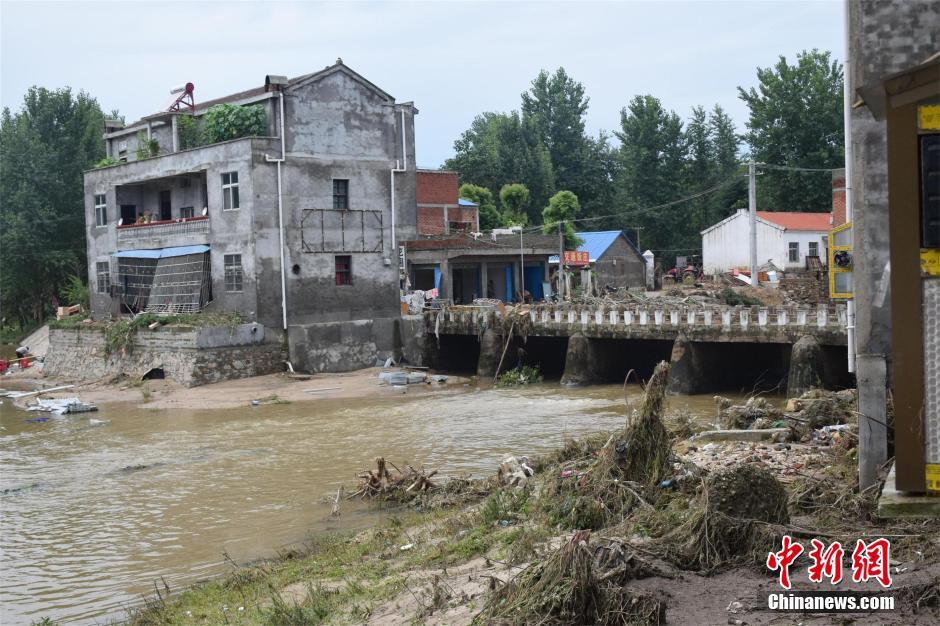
point(686, 544)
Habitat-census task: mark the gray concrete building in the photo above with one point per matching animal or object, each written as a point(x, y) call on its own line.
point(297, 226)
point(884, 37)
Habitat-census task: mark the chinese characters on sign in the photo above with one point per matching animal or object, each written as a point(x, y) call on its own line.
point(870, 561)
point(576, 257)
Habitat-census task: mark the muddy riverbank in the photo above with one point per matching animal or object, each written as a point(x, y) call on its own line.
point(97, 507)
point(570, 545)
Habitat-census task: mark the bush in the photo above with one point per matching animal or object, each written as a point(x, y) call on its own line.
point(224, 122)
point(522, 376)
point(107, 162)
point(76, 292)
point(733, 298)
point(146, 148)
point(188, 132)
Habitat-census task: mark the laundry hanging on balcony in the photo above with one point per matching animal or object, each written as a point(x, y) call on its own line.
point(164, 280)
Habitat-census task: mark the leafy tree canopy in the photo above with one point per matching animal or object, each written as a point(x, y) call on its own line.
point(796, 119)
point(514, 199)
point(44, 148)
point(223, 122)
point(490, 216)
point(562, 207)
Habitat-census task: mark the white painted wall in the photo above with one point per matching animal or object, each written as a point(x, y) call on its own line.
point(726, 246)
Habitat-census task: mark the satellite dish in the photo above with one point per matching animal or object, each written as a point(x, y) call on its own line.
point(205, 210)
point(121, 222)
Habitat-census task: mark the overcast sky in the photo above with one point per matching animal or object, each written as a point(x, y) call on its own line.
point(453, 59)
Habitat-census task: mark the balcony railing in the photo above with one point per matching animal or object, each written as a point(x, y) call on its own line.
point(136, 234)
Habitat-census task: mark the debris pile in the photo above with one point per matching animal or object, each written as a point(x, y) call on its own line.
point(576, 585)
point(383, 484)
point(730, 520)
point(634, 461)
point(757, 412)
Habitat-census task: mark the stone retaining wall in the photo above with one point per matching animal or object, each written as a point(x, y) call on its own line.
point(187, 355)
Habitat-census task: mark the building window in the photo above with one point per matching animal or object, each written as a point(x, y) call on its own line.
point(340, 194)
point(233, 273)
point(794, 252)
point(101, 210)
point(229, 191)
point(813, 248)
point(343, 270)
point(187, 212)
point(103, 274)
point(459, 227)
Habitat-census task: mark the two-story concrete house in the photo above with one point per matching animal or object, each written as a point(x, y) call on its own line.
point(296, 227)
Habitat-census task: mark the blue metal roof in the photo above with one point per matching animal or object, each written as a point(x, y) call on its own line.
point(161, 253)
point(596, 243)
point(465, 202)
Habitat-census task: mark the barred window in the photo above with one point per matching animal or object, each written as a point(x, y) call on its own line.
point(101, 210)
point(343, 269)
point(187, 212)
point(340, 193)
point(103, 276)
point(233, 273)
point(229, 191)
point(814, 248)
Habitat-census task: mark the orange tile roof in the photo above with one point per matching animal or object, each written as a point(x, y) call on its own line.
point(795, 220)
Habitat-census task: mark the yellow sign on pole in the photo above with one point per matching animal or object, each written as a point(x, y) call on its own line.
point(930, 261)
point(841, 263)
point(928, 117)
point(932, 475)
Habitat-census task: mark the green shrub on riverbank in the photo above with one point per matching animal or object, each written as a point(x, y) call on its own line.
point(520, 376)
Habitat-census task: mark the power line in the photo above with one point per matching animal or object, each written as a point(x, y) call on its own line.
point(640, 211)
point(794, 168)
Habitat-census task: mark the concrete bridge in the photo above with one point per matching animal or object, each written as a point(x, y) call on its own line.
point(711, 347)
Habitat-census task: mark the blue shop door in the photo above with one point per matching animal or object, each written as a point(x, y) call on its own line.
point(509, 288)
point(534, 276)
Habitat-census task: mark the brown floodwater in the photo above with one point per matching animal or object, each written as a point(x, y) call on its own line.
point(95, 508)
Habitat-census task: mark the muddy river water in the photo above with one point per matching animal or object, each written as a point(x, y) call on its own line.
point(93, 512)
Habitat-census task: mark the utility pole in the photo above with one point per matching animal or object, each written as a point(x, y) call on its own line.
point(521, 266)
point(561, 259)
point(752, 207)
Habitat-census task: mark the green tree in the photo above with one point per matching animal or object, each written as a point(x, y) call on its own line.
point(44, 149)
point(223, 122)
point(514, 198)
point(562, 207)
point(652, 154)
point(556, 105)
point(727, 165)
point(189, 131)
point(796, 119)
point(500, 148)
point(490, 217)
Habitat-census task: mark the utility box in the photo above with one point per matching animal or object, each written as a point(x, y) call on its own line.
point(841, 263)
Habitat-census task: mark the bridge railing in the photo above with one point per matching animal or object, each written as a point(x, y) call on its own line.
point(660, 317)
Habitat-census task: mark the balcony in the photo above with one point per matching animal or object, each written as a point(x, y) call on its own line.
point(159, 234)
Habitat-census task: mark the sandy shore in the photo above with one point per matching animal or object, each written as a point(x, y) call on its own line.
point(166, 394)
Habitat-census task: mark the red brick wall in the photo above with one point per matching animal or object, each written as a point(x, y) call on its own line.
point(838, 198)
point(440, 188)
point(430, 220)
point(435, 187)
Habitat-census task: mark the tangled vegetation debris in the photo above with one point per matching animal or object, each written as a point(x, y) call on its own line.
point(524, 375)
point(633, 460)
point(584, 533)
